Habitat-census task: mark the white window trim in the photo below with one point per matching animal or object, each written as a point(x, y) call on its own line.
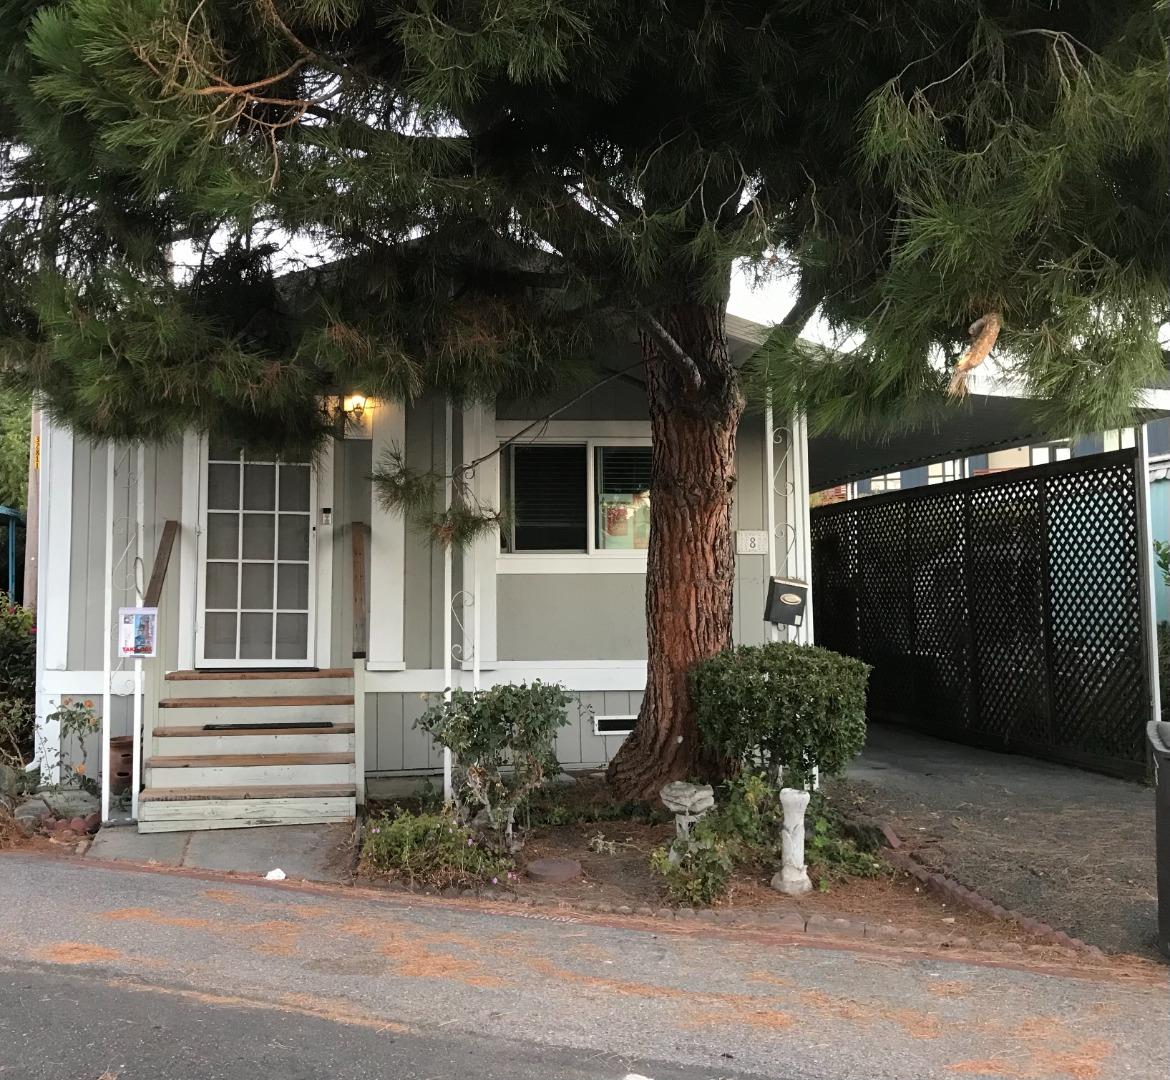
point(591, 435)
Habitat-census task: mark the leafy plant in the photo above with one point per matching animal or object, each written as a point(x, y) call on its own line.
point(1162, 557)
point(1164, 667)
point(18, 654)
point(503, 741)
point(78, 722)
point(696, 870)
point(432, 849)
point(782, 706)
point(830, 853)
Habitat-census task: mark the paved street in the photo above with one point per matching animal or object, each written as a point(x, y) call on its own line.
point(133, 974)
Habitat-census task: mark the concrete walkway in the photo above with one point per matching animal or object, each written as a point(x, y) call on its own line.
point(309, 852)
point(614, 995)
point(1068, 847)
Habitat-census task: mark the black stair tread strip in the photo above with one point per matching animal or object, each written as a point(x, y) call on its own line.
point(276, 724)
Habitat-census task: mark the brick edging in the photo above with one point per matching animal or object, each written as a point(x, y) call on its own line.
point(949, 889)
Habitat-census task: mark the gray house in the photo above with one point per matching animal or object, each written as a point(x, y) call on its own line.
point(301, 629)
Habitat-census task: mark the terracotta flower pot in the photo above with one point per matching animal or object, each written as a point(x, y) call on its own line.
point(121, 763)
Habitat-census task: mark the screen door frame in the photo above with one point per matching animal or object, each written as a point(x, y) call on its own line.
point(255, 663)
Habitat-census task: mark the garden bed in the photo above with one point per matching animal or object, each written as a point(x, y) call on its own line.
point(613, 843)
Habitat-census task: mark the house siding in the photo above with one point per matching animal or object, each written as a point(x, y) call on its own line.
point(395, 745)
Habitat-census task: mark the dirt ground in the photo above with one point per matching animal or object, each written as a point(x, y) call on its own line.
point(1068, 847)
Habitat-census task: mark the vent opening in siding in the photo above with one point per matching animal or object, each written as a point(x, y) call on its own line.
point(613, 725)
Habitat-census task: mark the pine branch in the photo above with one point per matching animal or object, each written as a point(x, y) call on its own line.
point(664, 338)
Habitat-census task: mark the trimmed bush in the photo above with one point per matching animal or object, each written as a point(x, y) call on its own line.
point(782, 705)
point(431, 849)
point(504, 742)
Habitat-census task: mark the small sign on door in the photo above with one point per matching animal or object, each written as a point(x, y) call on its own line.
point(138, 631)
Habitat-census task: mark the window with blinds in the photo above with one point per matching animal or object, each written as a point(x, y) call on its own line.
point(623, 497)
point(547, 489)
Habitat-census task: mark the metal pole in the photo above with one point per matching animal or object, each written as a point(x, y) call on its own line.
point(770, 499)
point(107, 626)
point(1146, 569)
point(448, 674)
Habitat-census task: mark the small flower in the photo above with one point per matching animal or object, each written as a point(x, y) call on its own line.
point(88, 704)
point(495, 881)
point(470, 841)
point(375, 830)
point(80, 769)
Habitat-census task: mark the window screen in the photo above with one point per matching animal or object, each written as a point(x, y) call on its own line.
point(623, 497)
point(547, 490)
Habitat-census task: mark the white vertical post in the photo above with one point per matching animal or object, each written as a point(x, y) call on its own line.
point(386, 635)
point(139, 594)
point(447, 579)
point(107, 630)
point(798, 452)
point(1146, 569)
point(770, 499)
point(479, 557)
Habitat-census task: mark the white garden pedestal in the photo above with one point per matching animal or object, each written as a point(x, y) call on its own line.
point(792, 877)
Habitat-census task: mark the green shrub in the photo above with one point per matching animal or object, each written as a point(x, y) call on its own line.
point(782, 705)
point(430, 849)
point(488, 731)
point(700, 872)
point(18, 673)
point(1164, 667)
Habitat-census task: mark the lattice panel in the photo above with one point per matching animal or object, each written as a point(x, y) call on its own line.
point(1004, 610)
point(936, 542)
point(834, 559)
point(1006, 613)
point(1099, 677)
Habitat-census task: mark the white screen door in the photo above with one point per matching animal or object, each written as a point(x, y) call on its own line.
point(256, 577)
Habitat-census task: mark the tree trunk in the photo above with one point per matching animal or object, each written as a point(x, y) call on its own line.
point(695, 405)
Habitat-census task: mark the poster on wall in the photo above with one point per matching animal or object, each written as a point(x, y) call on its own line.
point(138, 631)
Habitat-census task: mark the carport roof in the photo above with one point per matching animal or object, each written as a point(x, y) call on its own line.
point(995, 416)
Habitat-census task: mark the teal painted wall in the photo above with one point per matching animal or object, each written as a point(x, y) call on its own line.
point(1160, 514)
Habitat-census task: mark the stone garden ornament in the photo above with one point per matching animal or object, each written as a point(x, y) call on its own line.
point(688, 803)
point(792, 877)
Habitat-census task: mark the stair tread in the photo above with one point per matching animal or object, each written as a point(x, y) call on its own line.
point(195, 730)
point(253, 702)
point(213, 761)
point(259, 675)
point(250, 791)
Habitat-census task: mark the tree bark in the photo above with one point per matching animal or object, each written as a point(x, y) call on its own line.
point(695, 405)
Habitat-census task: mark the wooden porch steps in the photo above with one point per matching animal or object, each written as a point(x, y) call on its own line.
point(258, 675)
point(257, 792)
point(285, 701)
point(286, 755)
point(197, 731)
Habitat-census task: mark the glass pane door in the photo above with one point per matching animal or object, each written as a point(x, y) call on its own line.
point(257, 560)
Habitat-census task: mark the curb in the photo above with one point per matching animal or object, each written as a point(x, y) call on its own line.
point(953, 891)
point(789, 922)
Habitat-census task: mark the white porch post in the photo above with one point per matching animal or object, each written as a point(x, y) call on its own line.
point(798, 514)
point(107, 631)
point(55, 525)
point(1147, 575)
point(448, 674)
point(479, 559)
point(384, 648)
point(770, 499)
point(139, 593)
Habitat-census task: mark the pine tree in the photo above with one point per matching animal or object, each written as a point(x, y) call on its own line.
point(494, 187)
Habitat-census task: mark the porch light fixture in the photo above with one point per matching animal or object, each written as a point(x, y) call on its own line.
point(357, 411)
point(787, 599)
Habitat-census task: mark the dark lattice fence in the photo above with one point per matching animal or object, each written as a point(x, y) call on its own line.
point(1003, 610)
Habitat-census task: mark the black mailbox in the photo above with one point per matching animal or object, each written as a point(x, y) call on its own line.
point(787, 599)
